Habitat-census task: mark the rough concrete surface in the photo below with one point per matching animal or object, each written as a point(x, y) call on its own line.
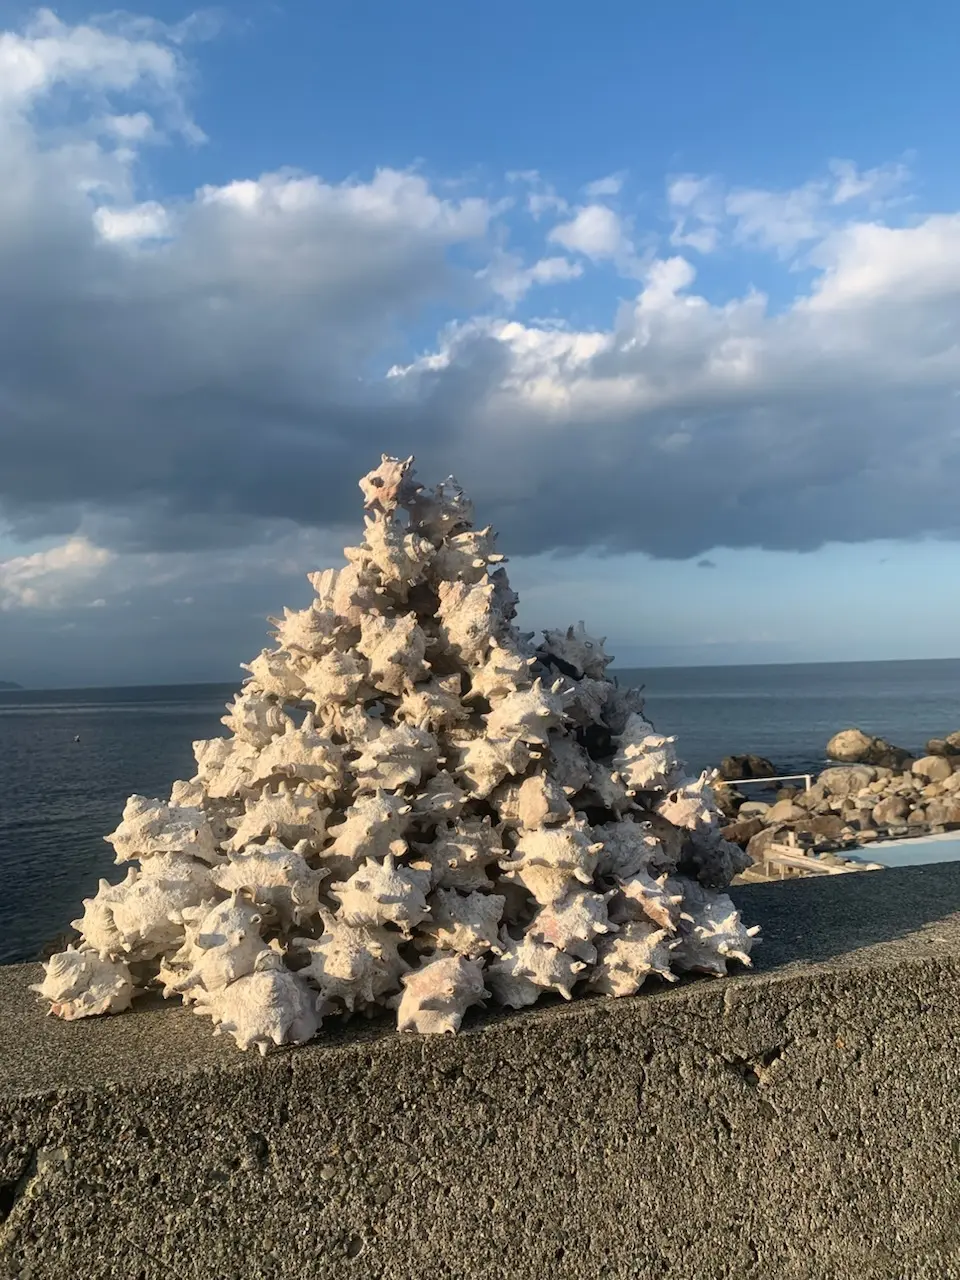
point(798, 1121)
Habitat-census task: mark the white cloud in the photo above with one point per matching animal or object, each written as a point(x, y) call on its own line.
point(145, 221)
point(595, 231)
point(46, 579)
point(611, 185)
point(704, 211)
point(185, 400)
point(511, 280)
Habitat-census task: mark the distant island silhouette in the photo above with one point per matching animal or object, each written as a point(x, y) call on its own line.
point(9, 684)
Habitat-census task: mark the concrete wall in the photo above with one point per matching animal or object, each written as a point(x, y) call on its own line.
point(799, 1121)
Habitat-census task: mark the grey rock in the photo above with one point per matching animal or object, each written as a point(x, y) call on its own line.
point(932, 768)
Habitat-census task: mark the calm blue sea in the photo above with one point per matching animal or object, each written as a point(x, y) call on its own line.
point(58, 798)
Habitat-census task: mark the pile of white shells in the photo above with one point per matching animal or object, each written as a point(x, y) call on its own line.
point(417, 807)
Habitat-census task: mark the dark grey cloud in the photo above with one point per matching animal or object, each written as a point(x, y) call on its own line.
point(201, 389)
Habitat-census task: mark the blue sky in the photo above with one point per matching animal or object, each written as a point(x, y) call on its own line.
point(673, 288)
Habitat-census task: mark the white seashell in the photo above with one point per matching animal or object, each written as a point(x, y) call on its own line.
point(460, 854)
point(395, 648)
point(437, 994)
point(505, 670)
point(187, 793)
point(505, 599)
point(356, 965)
point(398, 756)
point(711, 932)
point(289, 815)
point(132, 919)
point(548, 861)
point(466, 924)
point(577, 650)
point(621, 704)
point(573, 922)
point(463, 557)
point(691, 805)
point(150, 826)
point(308, 631)
point(628, 847)
point(586, 700)
point(389, 485)
point(606, 790)
point(381, 893)
point(625, 961)
point(540, 801)
point(255, 716)
point(80, 984)
point(302, 754)
point(641, 897)
point(484, 762)
point(568, 763)
point(526, 970)
point(469, 621)
point(442, 512)
point(355, 591)
point(354, 724)
point(372, 827)
point(324, 583)
point(277, 672)
point(335, 677)
point(222, 943)
point(179, 866)
point(439, 799)
point(644, 760)
point(223, 766)
point(269, 1006)
point(435, 705)
point(527, 714)
point(390, 555)
point(275, 877)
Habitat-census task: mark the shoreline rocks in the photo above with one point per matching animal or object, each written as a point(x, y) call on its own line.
point(853, 746)
point(876, 790)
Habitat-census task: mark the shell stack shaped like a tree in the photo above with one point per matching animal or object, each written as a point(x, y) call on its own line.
point(418, 807)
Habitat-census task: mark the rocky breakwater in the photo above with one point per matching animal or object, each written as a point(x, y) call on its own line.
point(876, 790)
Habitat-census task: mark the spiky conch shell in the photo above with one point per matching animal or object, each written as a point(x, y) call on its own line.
point(416, 808)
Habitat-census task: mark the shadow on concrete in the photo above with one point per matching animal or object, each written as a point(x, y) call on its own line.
point(811, 920)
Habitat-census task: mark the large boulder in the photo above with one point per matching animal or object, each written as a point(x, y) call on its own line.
point(948, 746)
point(822, 826)
point(784, 811)
point(933, 768)
point(853, 746)
point(891, 811)
point(742, 832)
point(844, 782)
point(849, 745)
point(734, 768)
point(944, 812)
point(753, 809)
point(763, 839)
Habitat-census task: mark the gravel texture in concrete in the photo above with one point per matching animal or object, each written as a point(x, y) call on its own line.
point(801, 1120)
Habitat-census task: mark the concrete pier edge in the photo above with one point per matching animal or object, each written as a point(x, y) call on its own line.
point(798, 1120)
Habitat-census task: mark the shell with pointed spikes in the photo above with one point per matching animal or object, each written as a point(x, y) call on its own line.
point(150, 826)
point(268, 1006)
point(355, 965)
point(527, 969)
point(577, 650)
point(380, 893)
point(80, 984)
point(437, 994)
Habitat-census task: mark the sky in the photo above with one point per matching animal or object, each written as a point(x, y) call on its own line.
point(673, 289)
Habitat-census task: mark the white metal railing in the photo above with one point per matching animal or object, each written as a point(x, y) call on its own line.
point(780, 777)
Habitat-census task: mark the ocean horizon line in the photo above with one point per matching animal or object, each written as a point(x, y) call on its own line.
point(613, 671)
